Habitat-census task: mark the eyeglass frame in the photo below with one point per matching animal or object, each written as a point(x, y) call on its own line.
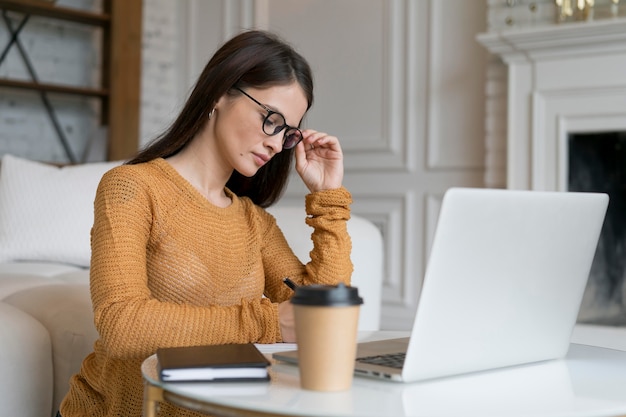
point(270, 112)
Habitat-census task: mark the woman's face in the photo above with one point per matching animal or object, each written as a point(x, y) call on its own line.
point(238, 126)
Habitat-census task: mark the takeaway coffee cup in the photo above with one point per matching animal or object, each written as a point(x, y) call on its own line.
point(326, 319)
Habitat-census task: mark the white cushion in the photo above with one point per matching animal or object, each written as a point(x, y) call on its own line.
point(46, 212)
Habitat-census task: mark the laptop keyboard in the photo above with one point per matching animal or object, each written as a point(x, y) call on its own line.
point(392, 360)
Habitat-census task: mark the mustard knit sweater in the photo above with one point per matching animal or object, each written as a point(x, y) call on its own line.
point(168, 268)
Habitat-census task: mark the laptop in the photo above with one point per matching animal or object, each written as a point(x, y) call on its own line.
point(503, 285)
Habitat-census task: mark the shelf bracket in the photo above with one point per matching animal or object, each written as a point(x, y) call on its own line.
point(13, 39)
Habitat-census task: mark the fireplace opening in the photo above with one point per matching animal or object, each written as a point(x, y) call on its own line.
point(597, 163)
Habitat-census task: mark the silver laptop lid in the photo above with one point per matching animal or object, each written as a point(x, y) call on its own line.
point(505, 279)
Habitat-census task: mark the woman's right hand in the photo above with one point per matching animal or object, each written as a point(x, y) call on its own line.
point(287, 322)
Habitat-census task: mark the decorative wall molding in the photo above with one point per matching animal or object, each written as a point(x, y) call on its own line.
point(391, 214)
point(375, 88)
point(384, 146)
point(452, 110)
point(200, 40)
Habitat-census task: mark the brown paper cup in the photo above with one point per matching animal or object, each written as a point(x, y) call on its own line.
point(326, 337)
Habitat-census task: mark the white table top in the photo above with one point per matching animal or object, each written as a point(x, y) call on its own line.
point(591, 381)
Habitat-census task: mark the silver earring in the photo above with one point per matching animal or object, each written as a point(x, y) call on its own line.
point(211, 113)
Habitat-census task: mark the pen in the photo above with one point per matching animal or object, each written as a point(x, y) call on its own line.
point(290, 283)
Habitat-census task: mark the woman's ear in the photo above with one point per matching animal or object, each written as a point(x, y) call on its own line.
point(221, 102)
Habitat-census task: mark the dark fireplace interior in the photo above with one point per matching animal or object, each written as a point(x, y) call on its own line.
point(597, 163)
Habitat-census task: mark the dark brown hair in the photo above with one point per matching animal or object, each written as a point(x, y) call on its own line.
point(251, 59)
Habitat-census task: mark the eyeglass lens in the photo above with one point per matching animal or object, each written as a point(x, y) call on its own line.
point(292, 138)
point(274, 123)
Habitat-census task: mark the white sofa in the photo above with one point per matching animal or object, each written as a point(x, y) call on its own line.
point(46, 321)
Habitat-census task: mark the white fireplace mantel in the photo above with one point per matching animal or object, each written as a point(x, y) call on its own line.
point(549, 42)
point(561, 79)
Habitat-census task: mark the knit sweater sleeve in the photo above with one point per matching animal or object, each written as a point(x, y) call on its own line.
point(130, 320)
point(327, 213)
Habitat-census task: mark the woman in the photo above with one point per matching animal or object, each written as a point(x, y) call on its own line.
point(183, 252)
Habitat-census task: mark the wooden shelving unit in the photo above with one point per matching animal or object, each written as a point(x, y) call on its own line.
point(119, 93)
point(48, 9)
point(54, 88)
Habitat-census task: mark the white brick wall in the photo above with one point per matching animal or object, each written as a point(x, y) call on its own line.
point(160, 67)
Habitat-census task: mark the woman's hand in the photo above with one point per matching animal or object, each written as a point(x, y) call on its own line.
point(287, 322)
point(319, 161)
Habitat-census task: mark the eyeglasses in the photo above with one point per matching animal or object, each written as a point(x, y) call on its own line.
point(275, 122)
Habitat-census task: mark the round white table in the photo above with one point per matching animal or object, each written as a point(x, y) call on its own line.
point(590, 381)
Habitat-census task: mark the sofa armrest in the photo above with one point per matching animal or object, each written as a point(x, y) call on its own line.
point(66, 314)
point(27, 373)
point(367, 256)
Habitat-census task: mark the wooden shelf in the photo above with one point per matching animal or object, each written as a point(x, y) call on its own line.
point(39, 8)
point(121, 25)
point(55, 88)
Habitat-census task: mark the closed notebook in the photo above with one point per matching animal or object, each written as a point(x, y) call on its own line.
point(219, 363)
